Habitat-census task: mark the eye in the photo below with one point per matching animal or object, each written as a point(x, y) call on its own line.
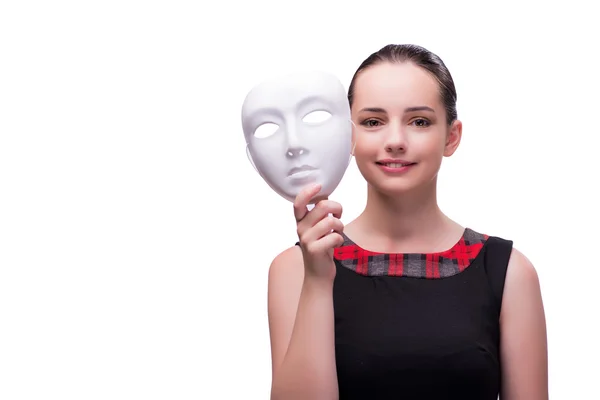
point(421, 122)
point(316, 117)
point(371, 123)
point(265, 130)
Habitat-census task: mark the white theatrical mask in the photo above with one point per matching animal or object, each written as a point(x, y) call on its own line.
point(298, 132)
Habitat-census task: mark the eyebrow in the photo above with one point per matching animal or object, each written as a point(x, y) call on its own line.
point(408, 109)
point(373, 109)
point(420, 108)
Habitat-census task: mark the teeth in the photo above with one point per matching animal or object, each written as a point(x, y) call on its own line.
point(395, 165)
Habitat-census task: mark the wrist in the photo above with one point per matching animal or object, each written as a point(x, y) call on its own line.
point(319, 282)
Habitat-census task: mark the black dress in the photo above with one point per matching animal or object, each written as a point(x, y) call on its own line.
point(420, 326)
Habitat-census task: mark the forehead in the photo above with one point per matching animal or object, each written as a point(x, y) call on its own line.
point(293, 90)
point(398, 84)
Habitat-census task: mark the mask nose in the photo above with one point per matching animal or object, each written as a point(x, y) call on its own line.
point(294, 147)
point(295, 152)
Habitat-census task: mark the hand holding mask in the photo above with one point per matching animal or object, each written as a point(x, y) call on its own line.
point(298, 132)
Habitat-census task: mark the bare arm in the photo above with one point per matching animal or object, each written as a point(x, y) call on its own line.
point(524, 351)
point(301, 319)
point(301, 324)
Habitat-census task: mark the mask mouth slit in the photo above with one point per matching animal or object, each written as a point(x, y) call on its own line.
point(304, 168)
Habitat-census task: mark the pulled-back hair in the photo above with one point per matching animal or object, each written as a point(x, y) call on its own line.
point(421, 57)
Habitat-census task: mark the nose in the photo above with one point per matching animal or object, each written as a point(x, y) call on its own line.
point(293, 152)
point(395, 140)
point(294, 146)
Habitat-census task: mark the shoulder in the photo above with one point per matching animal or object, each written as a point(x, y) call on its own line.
point(286, 274)
point(522, 279)
point(287, 263)
point(521, 264)
point(523, 332)
point(512, 271)
point(522, 304)
point(522, 298)
point(512, 274)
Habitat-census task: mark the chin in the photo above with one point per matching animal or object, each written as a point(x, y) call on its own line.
point(394, 189)
point(398, 186)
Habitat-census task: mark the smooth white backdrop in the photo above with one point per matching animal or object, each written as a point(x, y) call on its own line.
point(135, 237)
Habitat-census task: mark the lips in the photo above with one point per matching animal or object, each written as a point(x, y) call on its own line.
point(395, 163)
point(395, 166)
point(298, 170)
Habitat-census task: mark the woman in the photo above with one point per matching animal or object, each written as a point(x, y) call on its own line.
point(403, 302)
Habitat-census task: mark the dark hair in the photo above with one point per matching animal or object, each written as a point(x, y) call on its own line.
point(421, 57)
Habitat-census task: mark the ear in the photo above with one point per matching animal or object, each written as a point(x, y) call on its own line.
point(453, 138)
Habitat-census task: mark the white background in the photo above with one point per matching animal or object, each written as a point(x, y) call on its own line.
point(135, 237)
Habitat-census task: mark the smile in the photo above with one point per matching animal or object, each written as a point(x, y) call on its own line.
point(395, 166)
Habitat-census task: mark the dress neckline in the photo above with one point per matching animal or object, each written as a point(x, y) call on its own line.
point(416, 265)
point(350, 242)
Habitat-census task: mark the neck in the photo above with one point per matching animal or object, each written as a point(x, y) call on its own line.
point(405, 217)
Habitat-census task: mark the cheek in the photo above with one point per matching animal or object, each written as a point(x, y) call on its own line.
point(366, 144)
point(433, 145)
point(362, 152)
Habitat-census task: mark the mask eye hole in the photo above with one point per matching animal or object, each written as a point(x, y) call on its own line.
point(316, 117)
point(265, 130)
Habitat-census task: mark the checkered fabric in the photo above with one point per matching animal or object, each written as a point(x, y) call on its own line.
point(428, 266)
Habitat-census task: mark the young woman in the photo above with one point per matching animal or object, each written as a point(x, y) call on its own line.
point(403, 302)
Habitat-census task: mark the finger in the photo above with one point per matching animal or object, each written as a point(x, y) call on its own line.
point(317, 199)
point(302, 200)
point(333, 240)
point(322, 209)
point(323, 228)
point(328, 242)
point(336, 210)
